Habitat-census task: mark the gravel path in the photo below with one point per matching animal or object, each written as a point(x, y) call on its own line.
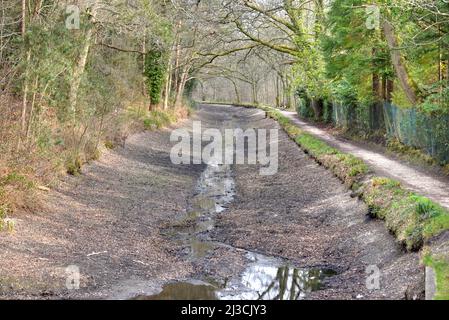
point(120, 224)
point(424, 183)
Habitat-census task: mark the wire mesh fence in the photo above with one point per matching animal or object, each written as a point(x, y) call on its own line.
point(427, 132)
point(413, 128)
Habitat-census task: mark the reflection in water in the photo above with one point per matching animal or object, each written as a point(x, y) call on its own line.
point(265, 279)
point(215, 191)
point(184, 291)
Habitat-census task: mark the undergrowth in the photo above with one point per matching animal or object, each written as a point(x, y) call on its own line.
point(66, 151)
point(411, 154)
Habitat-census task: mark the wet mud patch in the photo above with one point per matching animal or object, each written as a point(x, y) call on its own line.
point(214, 192)
point(305, 215)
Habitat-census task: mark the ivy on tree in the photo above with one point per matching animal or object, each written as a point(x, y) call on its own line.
point(155, 68)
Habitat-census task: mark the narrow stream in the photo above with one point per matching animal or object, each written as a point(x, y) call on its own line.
point(265, 278)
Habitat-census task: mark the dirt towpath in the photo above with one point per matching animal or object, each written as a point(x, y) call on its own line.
point(138, 226)
point(425, 183)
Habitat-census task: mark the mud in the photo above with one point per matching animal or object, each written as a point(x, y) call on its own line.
point(140, 227)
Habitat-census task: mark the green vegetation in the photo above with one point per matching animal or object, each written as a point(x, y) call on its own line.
point(67, 90)
point(385, 72)
point(3, 214)
point(155, 68)
point(109, 145)
point(376, 68)
point(14, 187)
point(159, 119)
point(15, 178)
point(410, 153)
point(440, 265)
point(412, 218)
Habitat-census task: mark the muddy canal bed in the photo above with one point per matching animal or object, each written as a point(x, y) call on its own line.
point(139, 226)
point(263, 277)
point(295, 235)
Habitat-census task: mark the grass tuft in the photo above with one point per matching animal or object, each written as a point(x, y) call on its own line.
point(158, 119)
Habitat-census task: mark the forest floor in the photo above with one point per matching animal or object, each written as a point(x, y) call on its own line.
point(423, 180)
point(134, 223)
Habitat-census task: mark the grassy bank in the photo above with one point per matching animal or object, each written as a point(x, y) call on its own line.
point(413, 219)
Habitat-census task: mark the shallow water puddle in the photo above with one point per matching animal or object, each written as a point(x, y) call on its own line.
point(184, 291)
point(265, 278)
point(272, 279)
point(214, 192)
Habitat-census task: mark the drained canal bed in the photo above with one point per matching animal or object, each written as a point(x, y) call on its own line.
point(264, 278)
point(159, 228)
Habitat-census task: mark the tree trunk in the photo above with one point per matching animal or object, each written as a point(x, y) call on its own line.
point(80, 66)
point(25, 80)
point(181, 86)
point(387, 89)
point(144, 48)
point(25, 92)
point(177, 58)
point(377, 93)
point(376, 109)
point(167, 90)
point(317, 106)
point(283, 89)
point(278, 98)
point(1, 30)
point(447, 70)
point(236, 90)
point(23, 25)
point(33, 103)
point(398, 63)
point(377, 90)
point(288, 93)
point(254, 92)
